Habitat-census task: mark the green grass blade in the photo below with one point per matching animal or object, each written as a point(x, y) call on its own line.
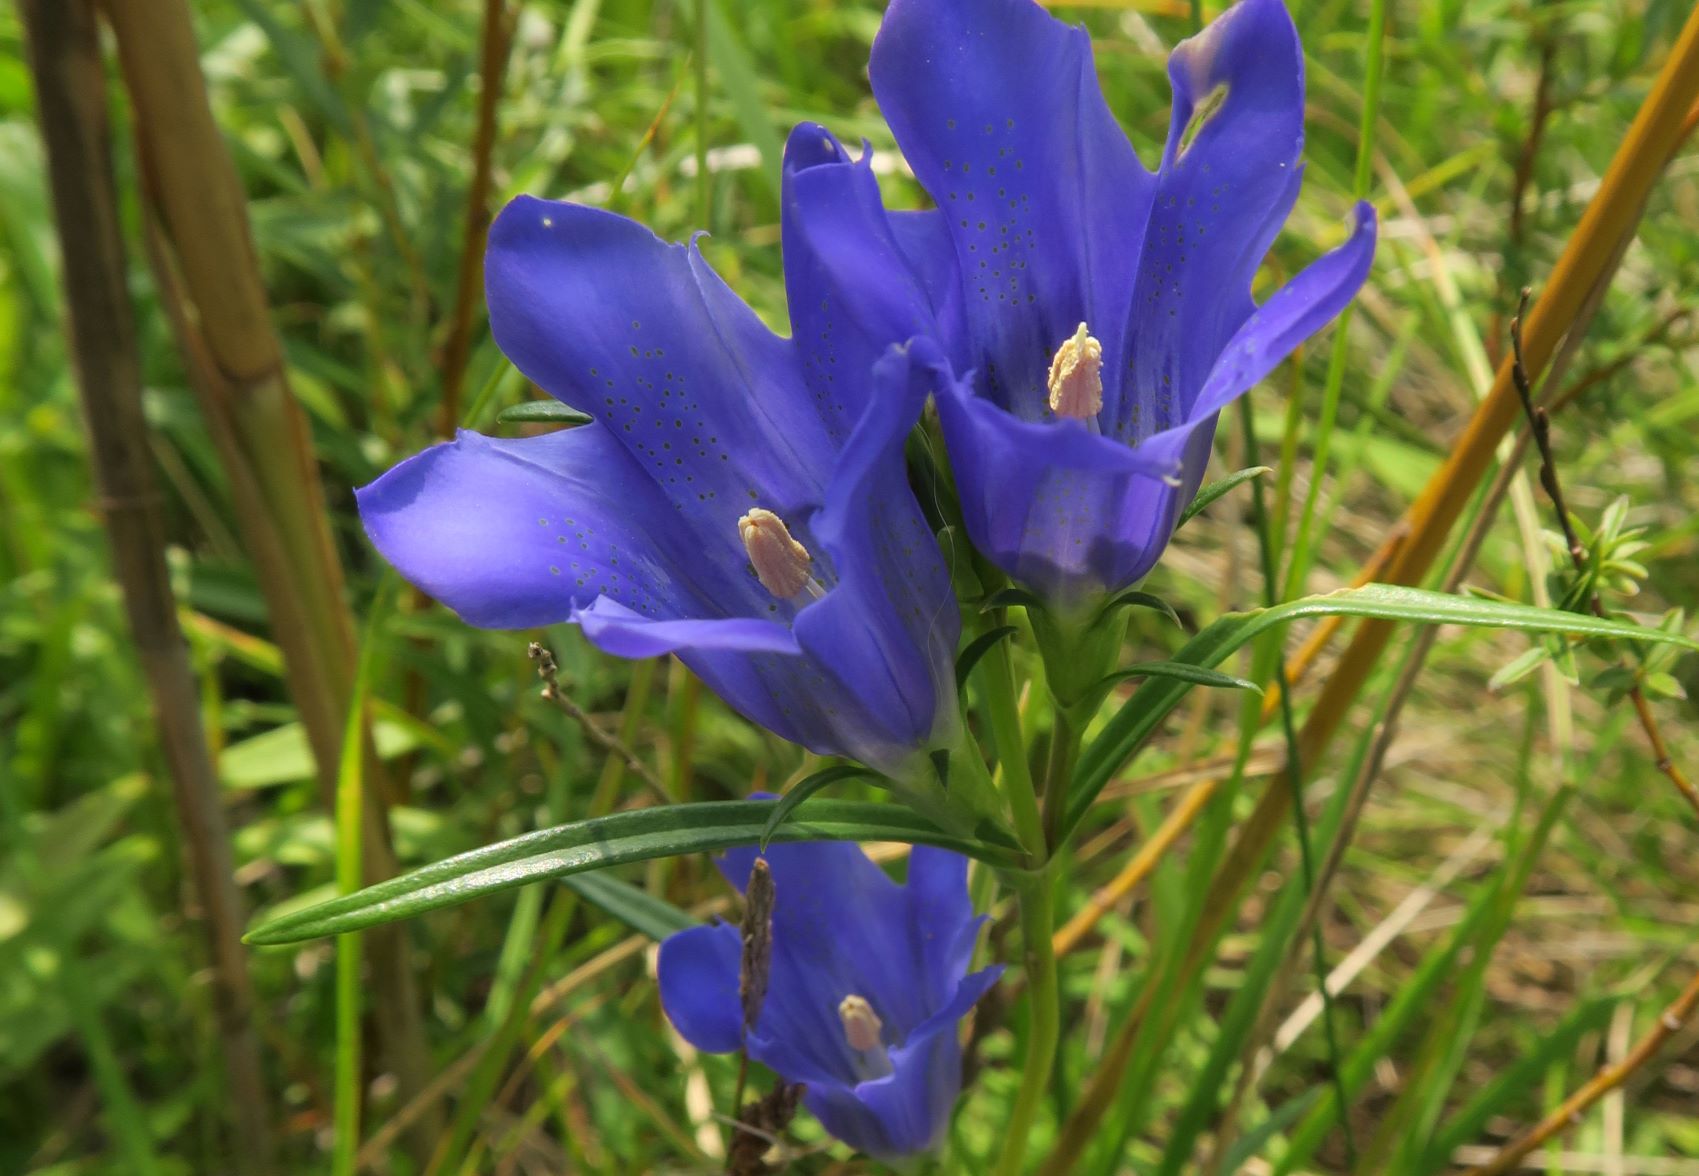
point(636, 908)
point(638, 835)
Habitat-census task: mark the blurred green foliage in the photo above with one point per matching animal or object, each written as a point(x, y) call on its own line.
point(352, 122)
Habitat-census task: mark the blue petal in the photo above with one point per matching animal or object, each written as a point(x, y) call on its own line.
point(924, 238)
point(1292, 314)
point(840, 926)
point(618, 630)
point(941, 919)
point(515, 533)
point(1222, 193)
point(997, 109)
point(909, 1110)
point(644, 336)
point(840, 258)
point(890, 625)
point(859, 279)
point(1063, 510)
point(698, 976)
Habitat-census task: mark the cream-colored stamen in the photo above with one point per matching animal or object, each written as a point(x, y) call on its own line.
point(861, 1024)
point(780, 562)
point(1076, 377)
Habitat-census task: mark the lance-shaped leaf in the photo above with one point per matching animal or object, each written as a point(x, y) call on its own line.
point(1138, 719)
point(609, 841)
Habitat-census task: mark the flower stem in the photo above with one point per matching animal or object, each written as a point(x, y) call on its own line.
point(1034, 893)
point(1004, 718)
point(1059, 775)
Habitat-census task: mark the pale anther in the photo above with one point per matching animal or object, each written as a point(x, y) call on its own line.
point(781, 563)
point(861, 1024)
point(1076, 377)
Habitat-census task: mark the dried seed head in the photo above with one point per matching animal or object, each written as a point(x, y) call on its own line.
point(861, 1024)
point(756, 962)
point(781, 563)
point(1076, 377)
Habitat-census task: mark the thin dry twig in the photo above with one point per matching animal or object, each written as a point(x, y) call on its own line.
point(1539, 424)
point(549, 672)
point(457, 346)
point(1606, 1080)
point(759, 1127)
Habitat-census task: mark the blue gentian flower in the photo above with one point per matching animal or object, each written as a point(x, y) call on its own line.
point(740, 499)
point(868, 983)
point(1104, 311)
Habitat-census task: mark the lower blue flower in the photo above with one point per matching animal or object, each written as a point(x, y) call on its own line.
point(869, 981)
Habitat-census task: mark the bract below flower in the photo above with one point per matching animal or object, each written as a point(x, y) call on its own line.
point(739, 500)
point(868, 983)
point(1105, 311)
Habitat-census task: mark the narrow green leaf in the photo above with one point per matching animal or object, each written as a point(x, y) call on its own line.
point(1133, 598)
point(738, 75)
point(1216, 489)
point(1518, 668)
point(1004, 597)
point(1181, 671)
point(978, 648)
point(1142, 714)
point(805, 788)
point(636, 908)
point(634, 836)
point(542, 411)
point(1250, 1145)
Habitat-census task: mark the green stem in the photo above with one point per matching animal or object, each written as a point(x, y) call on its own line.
point(1004, 717)
point(704, 194)
point(350, 866)
point(1058, 774)
point(1034, 893)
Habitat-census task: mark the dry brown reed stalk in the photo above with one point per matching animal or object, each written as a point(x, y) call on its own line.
point(71, 103)
point(208, 274)
point(1588, 257)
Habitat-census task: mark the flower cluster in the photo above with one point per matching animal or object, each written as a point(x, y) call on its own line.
point(740, 499)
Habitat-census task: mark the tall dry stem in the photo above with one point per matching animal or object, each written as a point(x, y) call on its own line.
point(209, 274)
point(70, 86)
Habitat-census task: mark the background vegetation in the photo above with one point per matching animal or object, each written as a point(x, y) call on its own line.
point(1515, 909)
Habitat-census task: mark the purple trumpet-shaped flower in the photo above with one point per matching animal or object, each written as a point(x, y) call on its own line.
point(740, 499)
point(1105, 311)
point(868, 982)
